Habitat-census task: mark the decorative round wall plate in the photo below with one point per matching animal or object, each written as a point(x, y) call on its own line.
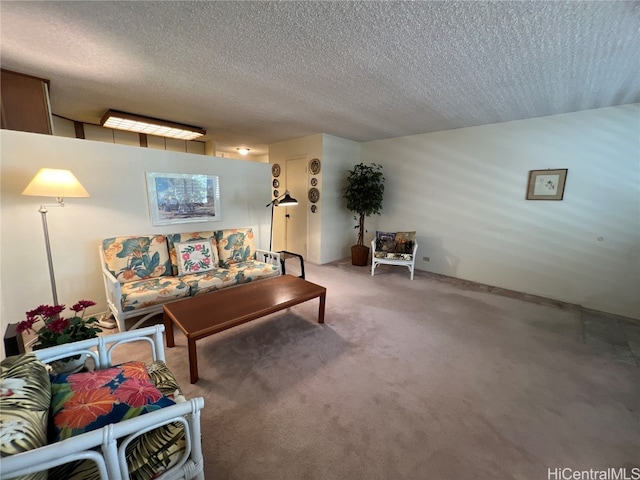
point(314, 195)
point(276, 193)
point(314, 182)
point(275, 170)
point(314, 208)
point(314, 166)
point(275, 183)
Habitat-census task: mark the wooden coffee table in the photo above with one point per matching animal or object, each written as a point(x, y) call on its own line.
point(209, 313)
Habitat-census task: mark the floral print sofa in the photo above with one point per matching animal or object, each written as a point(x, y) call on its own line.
point(142, 273)
point(111, 422)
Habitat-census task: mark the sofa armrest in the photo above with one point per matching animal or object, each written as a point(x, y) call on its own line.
point(101, 348)
point(109, 457)
point(267, 256)
point(112, 290)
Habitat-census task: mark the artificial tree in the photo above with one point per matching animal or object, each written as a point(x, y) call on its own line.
point(364, 194)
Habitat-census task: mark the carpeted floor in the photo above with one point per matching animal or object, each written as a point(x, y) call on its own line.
point(420, 379)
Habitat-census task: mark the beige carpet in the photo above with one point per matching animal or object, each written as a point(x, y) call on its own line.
point(410, 380)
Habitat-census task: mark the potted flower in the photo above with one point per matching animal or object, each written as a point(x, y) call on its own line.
point(364, 194)
point(58, 330)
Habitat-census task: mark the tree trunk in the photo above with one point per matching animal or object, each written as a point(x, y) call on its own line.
point(361, 230)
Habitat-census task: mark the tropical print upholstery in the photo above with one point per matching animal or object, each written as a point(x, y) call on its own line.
point(255, 270)
point(209, 281)
point(86, 401)
point(152, 291)
point(216, 280)
point(174, 238)
point(137, 258)
point(235, 246)
point(24, 406)
point(149, 454)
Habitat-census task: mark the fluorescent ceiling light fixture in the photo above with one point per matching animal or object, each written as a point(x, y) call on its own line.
point(150, 126)
point(243, 150)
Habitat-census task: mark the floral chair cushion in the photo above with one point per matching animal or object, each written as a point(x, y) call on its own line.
point(174, 238)
point(82, 402)
point(147, 455)
point(195, 257)
point(153, 291)
point(235, 246)
point(25, 395)
point(137, 258)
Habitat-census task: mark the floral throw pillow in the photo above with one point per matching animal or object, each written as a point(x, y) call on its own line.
point(82, 402)
point(195, 257)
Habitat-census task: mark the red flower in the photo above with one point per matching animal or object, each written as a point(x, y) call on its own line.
point(57, 325)
point(84, 408)
point(135, 370)
point(26, 325)
point(186, 256)
point(92, 380)
point(52, 310)
point(137, 392)
point(198, 247)
point(82, 305)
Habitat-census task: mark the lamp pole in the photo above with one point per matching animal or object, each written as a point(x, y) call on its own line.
point(43, 211)
point(287, 200)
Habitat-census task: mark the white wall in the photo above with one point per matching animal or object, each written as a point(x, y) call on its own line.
point(464, 192)
point(114, 175)
point(338, 234)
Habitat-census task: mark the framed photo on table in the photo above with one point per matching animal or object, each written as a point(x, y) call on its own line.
point(546, 184)
point(183, 198)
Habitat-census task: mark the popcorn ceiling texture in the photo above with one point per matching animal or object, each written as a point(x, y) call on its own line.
point(264, 72)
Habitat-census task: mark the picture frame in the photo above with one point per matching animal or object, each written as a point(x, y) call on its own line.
point(546, 184)
point(183, 198)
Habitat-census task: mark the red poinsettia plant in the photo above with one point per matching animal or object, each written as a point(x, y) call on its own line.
point(58, 330)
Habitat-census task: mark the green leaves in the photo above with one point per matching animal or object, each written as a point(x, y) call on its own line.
point(364, 193)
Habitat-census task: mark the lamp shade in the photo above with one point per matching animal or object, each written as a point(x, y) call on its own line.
point(287, 200)
point(52, 182)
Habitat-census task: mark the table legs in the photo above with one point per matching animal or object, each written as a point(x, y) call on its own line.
point(193, 360)
point(168, 331)
point(323, 298)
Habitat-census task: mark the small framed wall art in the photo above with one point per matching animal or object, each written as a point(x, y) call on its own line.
point(546, 184)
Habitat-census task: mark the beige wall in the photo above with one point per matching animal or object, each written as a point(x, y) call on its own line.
point(330, 229)
point(114, 175)
point(463, 191)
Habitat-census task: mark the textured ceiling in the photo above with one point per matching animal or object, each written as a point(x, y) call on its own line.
point(255, 73)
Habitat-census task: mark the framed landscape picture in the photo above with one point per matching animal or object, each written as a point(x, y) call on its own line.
point(546, 184)
point(183, 198)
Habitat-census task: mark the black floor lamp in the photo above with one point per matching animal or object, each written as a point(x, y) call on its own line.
point(283, 200)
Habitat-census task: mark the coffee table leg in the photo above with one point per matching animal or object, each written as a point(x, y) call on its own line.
point(323, 298)
point(168, 331)
point(193, 360)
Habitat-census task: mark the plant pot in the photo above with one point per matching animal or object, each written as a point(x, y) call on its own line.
point(360, 255)
point(69, 365)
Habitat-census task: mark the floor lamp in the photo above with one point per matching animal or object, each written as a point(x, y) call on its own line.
point(50, 182)
point(284, 200)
